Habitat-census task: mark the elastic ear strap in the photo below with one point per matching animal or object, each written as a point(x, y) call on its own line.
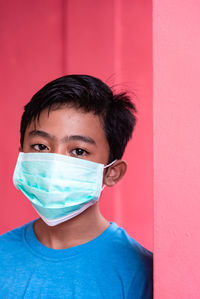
point(110, 164)
point(104, 186)
point(106, 167)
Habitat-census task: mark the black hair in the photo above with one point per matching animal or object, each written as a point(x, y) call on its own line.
point(91, 95)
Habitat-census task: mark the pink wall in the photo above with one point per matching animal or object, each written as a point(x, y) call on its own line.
point(177, 149)
point(110, 39)
point(31, 55)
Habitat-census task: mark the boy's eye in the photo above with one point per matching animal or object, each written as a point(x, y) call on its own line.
point(39, 147)
point(79, 152)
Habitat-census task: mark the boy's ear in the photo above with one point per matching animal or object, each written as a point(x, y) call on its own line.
point(114, 173)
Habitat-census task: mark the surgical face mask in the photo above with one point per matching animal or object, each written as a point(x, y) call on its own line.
point(59, 187)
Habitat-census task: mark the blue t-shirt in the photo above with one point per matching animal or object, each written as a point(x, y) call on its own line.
point(113, 265)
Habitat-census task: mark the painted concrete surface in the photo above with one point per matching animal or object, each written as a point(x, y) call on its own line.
point(176, 109)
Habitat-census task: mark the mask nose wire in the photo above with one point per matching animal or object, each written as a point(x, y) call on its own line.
point(108, 165)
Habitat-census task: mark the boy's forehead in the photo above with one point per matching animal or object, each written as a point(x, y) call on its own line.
point(68, 120)
point(64, 115)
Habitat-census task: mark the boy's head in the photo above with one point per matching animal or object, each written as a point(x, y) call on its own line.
point(87, 94)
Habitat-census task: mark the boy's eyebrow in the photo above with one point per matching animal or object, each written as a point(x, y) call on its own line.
point(79, 137)
point(41, 134)
point(64, 139)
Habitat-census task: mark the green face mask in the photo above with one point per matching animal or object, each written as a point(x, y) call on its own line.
point(59, 187)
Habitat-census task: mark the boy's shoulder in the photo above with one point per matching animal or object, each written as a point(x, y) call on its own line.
point(133, 262)
point(129, 249)
point(13, 239)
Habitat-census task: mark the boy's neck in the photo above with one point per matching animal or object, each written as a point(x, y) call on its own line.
point(76, 231)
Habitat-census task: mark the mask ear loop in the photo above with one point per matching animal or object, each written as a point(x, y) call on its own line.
point(107, 167)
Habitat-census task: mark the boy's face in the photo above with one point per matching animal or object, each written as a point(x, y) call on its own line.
point(68, 131)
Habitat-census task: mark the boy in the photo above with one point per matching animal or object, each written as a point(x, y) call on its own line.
point(73, 135)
